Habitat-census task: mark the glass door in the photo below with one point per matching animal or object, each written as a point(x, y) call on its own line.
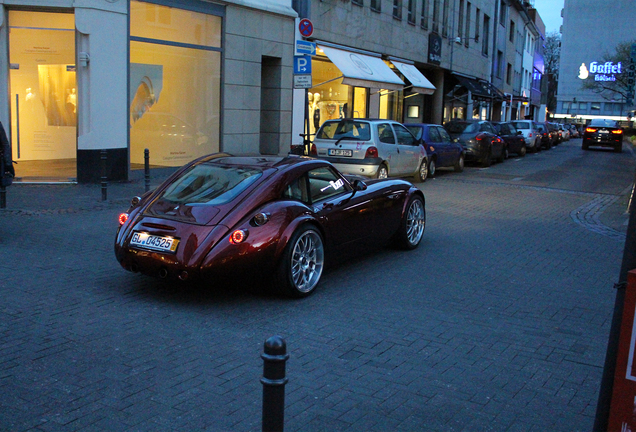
point(43, 95)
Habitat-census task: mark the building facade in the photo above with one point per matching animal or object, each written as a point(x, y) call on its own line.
point(116, 77)
point(584, 58)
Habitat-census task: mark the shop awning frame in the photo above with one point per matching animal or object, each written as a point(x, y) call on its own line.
point(419, 83)
point(480, 89)
point(362, 69)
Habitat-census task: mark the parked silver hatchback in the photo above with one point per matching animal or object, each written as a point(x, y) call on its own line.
point(371, 148)
point(531, 133)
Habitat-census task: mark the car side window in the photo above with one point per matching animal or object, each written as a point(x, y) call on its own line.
point(297, 190)
point(385, 133)
point(404, 137)
point(325, 183)
point(433, 134)
point(445, 136)
point(485, 127)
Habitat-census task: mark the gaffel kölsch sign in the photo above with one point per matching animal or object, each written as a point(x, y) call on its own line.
point(602, 71)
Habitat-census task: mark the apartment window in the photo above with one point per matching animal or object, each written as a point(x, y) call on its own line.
point(357, 2)
point(503, 8)
point(596, 107)
point(397, 9)
point(411, 12)
point(477, 22)
point(445, 19)
point(509, 74)
point(460, 23)
point(567, 106)
point(484, 42)
point(424, 16)
point(376, 5)
point(499, 64)
point(436, 16)
point(468, 11)
point(511, 38)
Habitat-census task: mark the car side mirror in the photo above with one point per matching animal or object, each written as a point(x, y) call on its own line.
point(359, 185)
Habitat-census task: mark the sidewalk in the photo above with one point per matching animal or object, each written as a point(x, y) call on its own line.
point(72, 198)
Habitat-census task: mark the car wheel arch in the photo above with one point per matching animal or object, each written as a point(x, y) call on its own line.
point(289, 230)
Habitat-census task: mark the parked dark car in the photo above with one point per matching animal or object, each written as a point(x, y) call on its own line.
point(603, 133)
point(479, 139)
point(441, 150)
point(545, 135)
point(555, 132)
point(574, 131)
point(279, 216)
point(515, 141)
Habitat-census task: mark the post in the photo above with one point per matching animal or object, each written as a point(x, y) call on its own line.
point(147, 169)
point(274, 380)
point(3, 189)
point(104, 176)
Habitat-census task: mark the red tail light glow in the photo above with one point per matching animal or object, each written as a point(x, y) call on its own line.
point(313, 150)
point(590, 129)
point(479, 137)
point(530, 135)
point(238, 236)
point(617, 132)
point(372, 152)
point(123, 218)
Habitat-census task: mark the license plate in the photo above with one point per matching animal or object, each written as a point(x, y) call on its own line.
point(603, 131)
point(340, 152)
point(154, 242)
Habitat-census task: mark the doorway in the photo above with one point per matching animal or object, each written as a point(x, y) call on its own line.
point(43, 95)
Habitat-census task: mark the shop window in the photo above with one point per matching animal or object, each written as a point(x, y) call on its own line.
point(413, 111)
point(175, 84)
point(391, 103)
point(333, 100)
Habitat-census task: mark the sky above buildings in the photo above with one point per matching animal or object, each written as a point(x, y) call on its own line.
point(550, 12)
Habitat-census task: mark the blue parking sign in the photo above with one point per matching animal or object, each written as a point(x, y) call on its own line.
point(302, 65)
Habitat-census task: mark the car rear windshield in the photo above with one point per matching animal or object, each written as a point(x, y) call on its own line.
point(416, 131)
point(603, 123)
point(521, 124)
point(461, 127)
point(211, 184)
point(345, 129)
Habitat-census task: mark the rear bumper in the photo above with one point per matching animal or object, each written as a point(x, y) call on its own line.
point(363, 167)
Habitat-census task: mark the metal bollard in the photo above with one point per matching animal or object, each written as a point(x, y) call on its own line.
point(104, 177)
point(147, 168)
point(274, 380)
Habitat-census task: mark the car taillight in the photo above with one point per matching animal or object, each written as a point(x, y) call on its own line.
point(530, 135)
point(372, 152)
point(313, 151)
point(617, 131)
point(590, 129)
point(238, 236)
point(123, 218)
point(479, 137)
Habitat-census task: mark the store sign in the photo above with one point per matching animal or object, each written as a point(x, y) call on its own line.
point(434, 48)
point(602, 71)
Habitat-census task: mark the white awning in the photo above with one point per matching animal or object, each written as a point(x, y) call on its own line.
point(361, 70)
point(418, 81)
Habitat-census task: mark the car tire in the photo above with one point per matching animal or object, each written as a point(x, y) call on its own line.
point(487, 161)
point(459, 165)
point(383, 172)
point(504, 154)
point(585, 146)
point(432, 167)
point(301, 264)
point(618, 148)
point(422, 172)
point(523, 151)
point(412, 226)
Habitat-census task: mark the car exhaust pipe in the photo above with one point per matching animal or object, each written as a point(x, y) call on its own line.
point(163, 272)
point(134, 267)
point(184, 275)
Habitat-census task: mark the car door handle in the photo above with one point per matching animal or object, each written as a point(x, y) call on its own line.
point(327, 206)
point(393, 196)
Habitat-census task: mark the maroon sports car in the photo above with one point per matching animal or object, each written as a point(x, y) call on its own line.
point(281, 216)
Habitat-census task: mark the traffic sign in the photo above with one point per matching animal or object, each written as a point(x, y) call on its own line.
point(302, 65)
point(302, 81)
point(305, 27)
point(305, 47)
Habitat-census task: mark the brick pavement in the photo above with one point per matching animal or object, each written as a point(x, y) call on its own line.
point(498, 321)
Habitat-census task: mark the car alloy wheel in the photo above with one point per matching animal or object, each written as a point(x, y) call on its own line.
point(413, 224)
point(423, 172)
point(383, 172)
point(432, 168)
point(307, 260)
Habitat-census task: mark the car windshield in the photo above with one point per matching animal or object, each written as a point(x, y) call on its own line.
point(521, 125)
point(345, 129)
point(603, 123)
point(462, 127)
point(211, 184)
